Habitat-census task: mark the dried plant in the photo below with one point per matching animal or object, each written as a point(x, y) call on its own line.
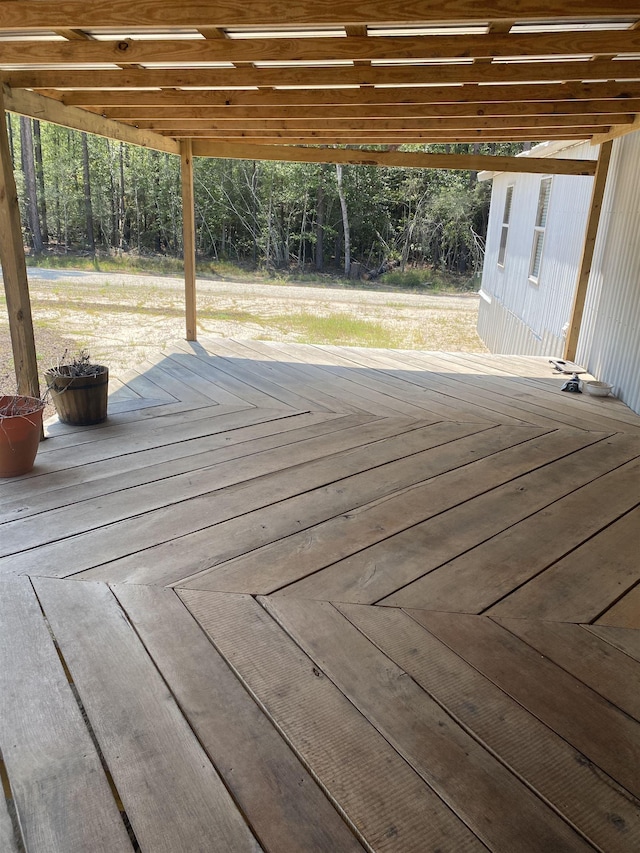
point(80, 365)
point(14, 405)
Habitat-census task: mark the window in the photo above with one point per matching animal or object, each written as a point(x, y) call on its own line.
point(502, 251)
point(538, 231)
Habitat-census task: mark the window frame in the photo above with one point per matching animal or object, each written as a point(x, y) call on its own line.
point(539, 229)
point(504, 228)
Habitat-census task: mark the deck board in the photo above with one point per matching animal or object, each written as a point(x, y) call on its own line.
point(62, 798)
point(160, 769)
point(326, 599)
point(283, 804)
point(553, 768)
point(591, 724)
point(492, 801)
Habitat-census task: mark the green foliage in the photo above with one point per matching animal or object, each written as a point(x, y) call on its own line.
point(270, 215)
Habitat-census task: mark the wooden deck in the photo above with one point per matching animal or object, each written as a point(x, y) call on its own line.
point(296, 598)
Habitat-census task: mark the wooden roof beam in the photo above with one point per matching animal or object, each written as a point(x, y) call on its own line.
point(616, 131)
point(459, 95)
point(46, 109)
point(612, 111)
point(217, 48)
point(389, 138)
point(78, 14)
point(473, 162)
point(356, 125)
point(401, 75)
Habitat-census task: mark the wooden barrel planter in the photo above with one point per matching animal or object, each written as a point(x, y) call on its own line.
point(79, 400)
point(20, 430)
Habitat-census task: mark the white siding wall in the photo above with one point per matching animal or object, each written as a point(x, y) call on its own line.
point(609, 344)
point(525, 317)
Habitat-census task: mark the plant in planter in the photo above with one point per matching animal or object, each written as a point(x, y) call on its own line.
point(79, 390)
point(20, 430)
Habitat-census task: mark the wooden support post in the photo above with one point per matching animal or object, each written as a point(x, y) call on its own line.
point(14, 272)
point(189, 238)
point(597, 194)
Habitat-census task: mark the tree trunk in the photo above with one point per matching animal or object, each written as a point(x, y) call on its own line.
point(31, 193)
point(122, 237)
point(345, 222)
point(88, 208)
point(320, 227)
point(42, 206)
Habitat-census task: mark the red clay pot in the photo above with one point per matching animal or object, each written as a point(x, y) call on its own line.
point(20, 429)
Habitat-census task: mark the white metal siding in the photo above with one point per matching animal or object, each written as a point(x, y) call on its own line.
point(609, 344)
point(543, 307)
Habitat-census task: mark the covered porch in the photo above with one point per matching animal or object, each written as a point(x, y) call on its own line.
point(296, 598)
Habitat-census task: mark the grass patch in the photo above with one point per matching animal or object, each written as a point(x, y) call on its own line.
point(428, 279)
point(339, 329)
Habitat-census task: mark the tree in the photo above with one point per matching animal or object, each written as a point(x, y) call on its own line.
point(42, 200)
point(88, 208)
point(345, 221)
point(31, 193)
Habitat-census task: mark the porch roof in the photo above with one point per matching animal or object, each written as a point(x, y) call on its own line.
point(255, 80)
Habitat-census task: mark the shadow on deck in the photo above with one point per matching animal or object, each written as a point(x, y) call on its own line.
point(299, 598)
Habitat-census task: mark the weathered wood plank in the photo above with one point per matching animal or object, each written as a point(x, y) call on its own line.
point(282, 802)
point(59, 464)
point(246, 487)
point(479, 578)
point(625, 639)
point(557, 772)
point(367, 375)
point(532, 378)
point(383, 798)
point(479, 789)
point(164, 484)
point(172, 794)
point(442, 392)
point(603, 733)
point(62, 797)
point(625, 613)
point(382, 567)
point(146, 466)
point(200, 361)
point(372, 399)
point(606, 670)
point(584, 583)
point(251, 514)
point(363, 528)
point(525, 396)
point(253, 373)
point(359, 510)
point(325, 396)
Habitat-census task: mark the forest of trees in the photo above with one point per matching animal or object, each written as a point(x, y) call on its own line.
point(89, 194)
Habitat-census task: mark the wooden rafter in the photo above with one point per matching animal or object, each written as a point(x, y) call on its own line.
point(387, 124)
point(78, 14)
point(474, 162)
point(46, 109)
point(113, 93)
point(413, 75)
point(220, 49)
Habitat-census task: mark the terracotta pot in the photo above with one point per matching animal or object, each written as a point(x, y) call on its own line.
point(79, 400)
point(20, 430)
